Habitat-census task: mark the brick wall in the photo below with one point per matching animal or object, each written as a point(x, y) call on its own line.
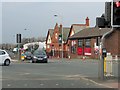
point(112, 43)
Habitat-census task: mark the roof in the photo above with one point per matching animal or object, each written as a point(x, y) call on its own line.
point(89, 33)
point(78, 27)
point(51, 31)
point(66, 31)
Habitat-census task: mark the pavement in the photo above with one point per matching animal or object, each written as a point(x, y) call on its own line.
point(109, 82)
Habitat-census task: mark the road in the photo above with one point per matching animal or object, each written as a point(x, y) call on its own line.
point(54, 74)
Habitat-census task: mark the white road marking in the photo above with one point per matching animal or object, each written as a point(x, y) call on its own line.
point(96, 82)
point(57, 84)
point(41, 84)
point(8, 85)
point(24, 74)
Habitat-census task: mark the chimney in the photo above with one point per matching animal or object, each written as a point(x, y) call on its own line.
point(60, 26)
point(56, 26)
point(87, 21)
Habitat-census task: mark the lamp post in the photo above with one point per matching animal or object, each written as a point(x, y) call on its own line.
point(61, 35)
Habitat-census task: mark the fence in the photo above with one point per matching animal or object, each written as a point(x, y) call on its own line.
point(111, 66)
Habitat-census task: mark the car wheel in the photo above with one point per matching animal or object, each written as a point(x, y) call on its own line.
point(46, 62)
point(33, 62)
point(7, 62)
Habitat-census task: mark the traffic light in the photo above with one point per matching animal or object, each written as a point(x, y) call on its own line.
point(18, 38)
point(60, 38)
point(116, 13)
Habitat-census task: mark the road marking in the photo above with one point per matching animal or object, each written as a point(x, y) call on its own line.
point(24, 73)
point(8, 85)
point(95, 82)
point(57, 84)
point(41, 84)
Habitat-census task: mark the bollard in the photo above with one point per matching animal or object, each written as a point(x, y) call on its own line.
point(105, 66)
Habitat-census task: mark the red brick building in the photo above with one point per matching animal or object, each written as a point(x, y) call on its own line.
point(52, 40)
point(86, 40)
point(75, 28)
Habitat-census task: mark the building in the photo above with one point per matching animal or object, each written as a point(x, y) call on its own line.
point(75, 28)
point(53, 43)
point(53, 40)
point(86, 42)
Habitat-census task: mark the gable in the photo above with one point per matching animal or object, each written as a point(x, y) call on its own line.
point(72, 33)
point(49, 39)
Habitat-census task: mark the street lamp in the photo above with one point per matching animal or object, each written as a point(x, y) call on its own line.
point(62, 33)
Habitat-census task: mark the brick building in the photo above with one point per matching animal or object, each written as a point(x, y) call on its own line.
point(52, 40)
point(86, 42)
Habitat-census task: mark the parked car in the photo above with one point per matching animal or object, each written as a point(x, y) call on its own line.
point(4, 58)
point(39, 56)
point(28, 55)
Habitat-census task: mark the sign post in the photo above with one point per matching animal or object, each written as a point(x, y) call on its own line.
point(18, 40)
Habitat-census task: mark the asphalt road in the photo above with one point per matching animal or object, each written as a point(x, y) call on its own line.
point(54, 74)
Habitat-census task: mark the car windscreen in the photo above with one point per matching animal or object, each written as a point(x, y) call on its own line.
point(28, 53)
point(39, 53)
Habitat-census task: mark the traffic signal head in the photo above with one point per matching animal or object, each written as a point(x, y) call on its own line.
point(116, 13)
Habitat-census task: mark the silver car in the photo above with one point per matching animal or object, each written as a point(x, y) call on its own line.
point(4, 58)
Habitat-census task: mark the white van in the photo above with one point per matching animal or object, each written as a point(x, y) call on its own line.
point(4, 58)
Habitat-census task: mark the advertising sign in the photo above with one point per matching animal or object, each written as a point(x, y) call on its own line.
point(87, 51)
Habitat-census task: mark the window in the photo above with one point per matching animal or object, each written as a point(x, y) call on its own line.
point(48, 46)
point(73, 49)
point(2, 52)
point(87, 42)
point(80, 43)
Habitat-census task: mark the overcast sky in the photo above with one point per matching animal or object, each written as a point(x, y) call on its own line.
point(38, 17)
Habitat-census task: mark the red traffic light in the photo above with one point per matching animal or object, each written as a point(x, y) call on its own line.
point(118, 4)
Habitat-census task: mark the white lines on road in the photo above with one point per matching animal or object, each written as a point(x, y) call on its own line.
point(41, 84)
point(95, 82)
point(56, 84)
point(9, 85)
point(24, 73)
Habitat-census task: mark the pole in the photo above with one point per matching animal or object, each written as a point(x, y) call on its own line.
point(62, 42)
point(61, 37)
point(18, 51)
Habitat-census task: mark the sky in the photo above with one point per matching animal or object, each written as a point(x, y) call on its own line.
point(38, 17)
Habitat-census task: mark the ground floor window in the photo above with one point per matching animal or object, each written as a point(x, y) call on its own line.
point(73, 49)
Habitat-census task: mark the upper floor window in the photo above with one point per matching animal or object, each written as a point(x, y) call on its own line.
point(80, 43)
point(87, 42)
